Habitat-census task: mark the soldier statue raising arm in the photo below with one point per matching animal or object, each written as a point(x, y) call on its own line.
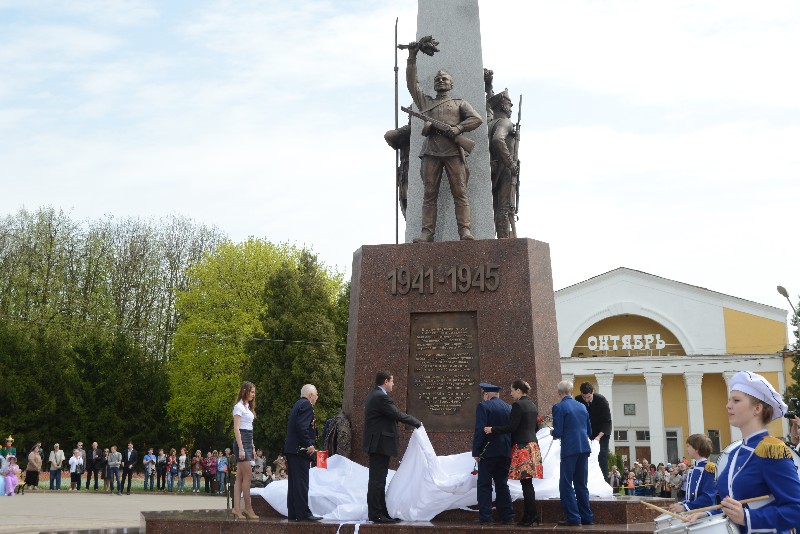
point(453, 117)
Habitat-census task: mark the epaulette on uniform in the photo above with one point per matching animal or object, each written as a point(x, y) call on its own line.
point(773, 448)
point(711, 467)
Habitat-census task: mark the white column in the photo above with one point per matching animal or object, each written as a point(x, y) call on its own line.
point(736, 434)
point(694, 398)
point(655, 415)
point(570, 377)
point(605, 386)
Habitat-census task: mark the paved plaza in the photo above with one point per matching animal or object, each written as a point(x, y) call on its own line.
point(45, 511)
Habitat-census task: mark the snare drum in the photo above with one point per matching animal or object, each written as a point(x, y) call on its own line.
point(665, 521)
point(715, 524)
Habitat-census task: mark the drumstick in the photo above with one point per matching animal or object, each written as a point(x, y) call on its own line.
point(664, 511)
point(719, 506)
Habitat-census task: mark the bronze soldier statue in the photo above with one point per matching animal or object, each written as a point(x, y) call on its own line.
point(502, 141)
point(400, 139)
point(443, 147)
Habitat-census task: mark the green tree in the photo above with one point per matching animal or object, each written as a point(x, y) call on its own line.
point(218, 313)
point(304, 322)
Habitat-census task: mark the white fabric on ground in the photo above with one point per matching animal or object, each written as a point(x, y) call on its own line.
point(423, 486)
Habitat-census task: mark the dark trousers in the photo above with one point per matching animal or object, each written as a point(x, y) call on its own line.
point(376, 488)
point(494, 469)
point(297, 496)
point(602, 456)
point(127, 472)
point(89, 473)
point(573, 489)
point(161, 479)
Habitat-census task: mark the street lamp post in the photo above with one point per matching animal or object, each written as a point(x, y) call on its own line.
point(784, 293)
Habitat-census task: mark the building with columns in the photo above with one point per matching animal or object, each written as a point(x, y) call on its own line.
point(662, 353)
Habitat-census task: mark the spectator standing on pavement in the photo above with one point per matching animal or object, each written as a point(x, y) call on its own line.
point(222, 472)
point(172, 469)
point(600, 419)
point(106, 471)
point(209, 470)
point(183, 468)
point(114, 463)
point(161, 470)
point(34, 467)
point(197, 470)
point(75, 469)
point(149, 462)
point(129, 458)
point(56, 461)
point(82, 452)
point(93, 457)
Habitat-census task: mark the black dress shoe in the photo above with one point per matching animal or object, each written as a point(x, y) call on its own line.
point(382, 519)
point(394, 519)
point(587, 522)
point(568, 524)
point(311, 517)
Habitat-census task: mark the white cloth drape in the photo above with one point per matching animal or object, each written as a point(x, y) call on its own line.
point(423, 486)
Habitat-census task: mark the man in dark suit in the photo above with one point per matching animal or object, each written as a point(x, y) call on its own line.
point(129, 459)
point(492, 452)
point(381, 442)
point(94, 458)
point(600, 419)
point(571, 425)
point(301, 434)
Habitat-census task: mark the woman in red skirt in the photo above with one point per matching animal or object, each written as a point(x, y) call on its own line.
point(526, 459)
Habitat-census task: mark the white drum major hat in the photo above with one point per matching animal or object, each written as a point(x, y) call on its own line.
point(757, 386)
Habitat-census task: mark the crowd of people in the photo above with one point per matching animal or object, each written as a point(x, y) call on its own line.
point(111, 471)
point(759, 468)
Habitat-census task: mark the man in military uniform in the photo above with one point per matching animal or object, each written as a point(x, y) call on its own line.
point(492, 452)
point(440, 151)
point(504, 168)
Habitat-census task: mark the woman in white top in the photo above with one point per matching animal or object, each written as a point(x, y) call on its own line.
point(75, 465)
point(183, 469)
point(244, 412)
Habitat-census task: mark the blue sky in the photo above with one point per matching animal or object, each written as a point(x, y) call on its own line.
point(660, 136)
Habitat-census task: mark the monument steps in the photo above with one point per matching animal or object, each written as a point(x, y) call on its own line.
point(619, 514)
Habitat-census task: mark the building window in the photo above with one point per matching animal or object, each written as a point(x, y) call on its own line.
point(629, 409)
point(672, 446)
point(714, 437)
point(642, 435)
point(620, 435)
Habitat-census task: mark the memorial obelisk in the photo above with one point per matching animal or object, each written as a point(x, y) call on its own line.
point(443, 316)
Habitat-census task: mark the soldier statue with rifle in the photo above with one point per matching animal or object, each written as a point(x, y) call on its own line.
point(445, 148)
point(503, 150)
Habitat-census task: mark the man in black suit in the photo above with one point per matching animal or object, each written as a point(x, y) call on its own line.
point(129, 458)
point(381, 442)
point(94, 457)
point(301, 434)
point(600, 419)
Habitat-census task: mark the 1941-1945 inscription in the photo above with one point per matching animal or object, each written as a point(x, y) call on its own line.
point(443, 369)
point(456, 278)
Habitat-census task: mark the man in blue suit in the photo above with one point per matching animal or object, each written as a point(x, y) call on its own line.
point(571, 425)
point(301, 434)
point(492, 452)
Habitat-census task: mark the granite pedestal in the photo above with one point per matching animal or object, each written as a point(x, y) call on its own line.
point(443, 317)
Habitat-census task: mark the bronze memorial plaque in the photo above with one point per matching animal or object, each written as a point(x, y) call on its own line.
point(443, 370)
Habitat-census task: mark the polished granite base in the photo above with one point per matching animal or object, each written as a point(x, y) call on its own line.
point(623, 514)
